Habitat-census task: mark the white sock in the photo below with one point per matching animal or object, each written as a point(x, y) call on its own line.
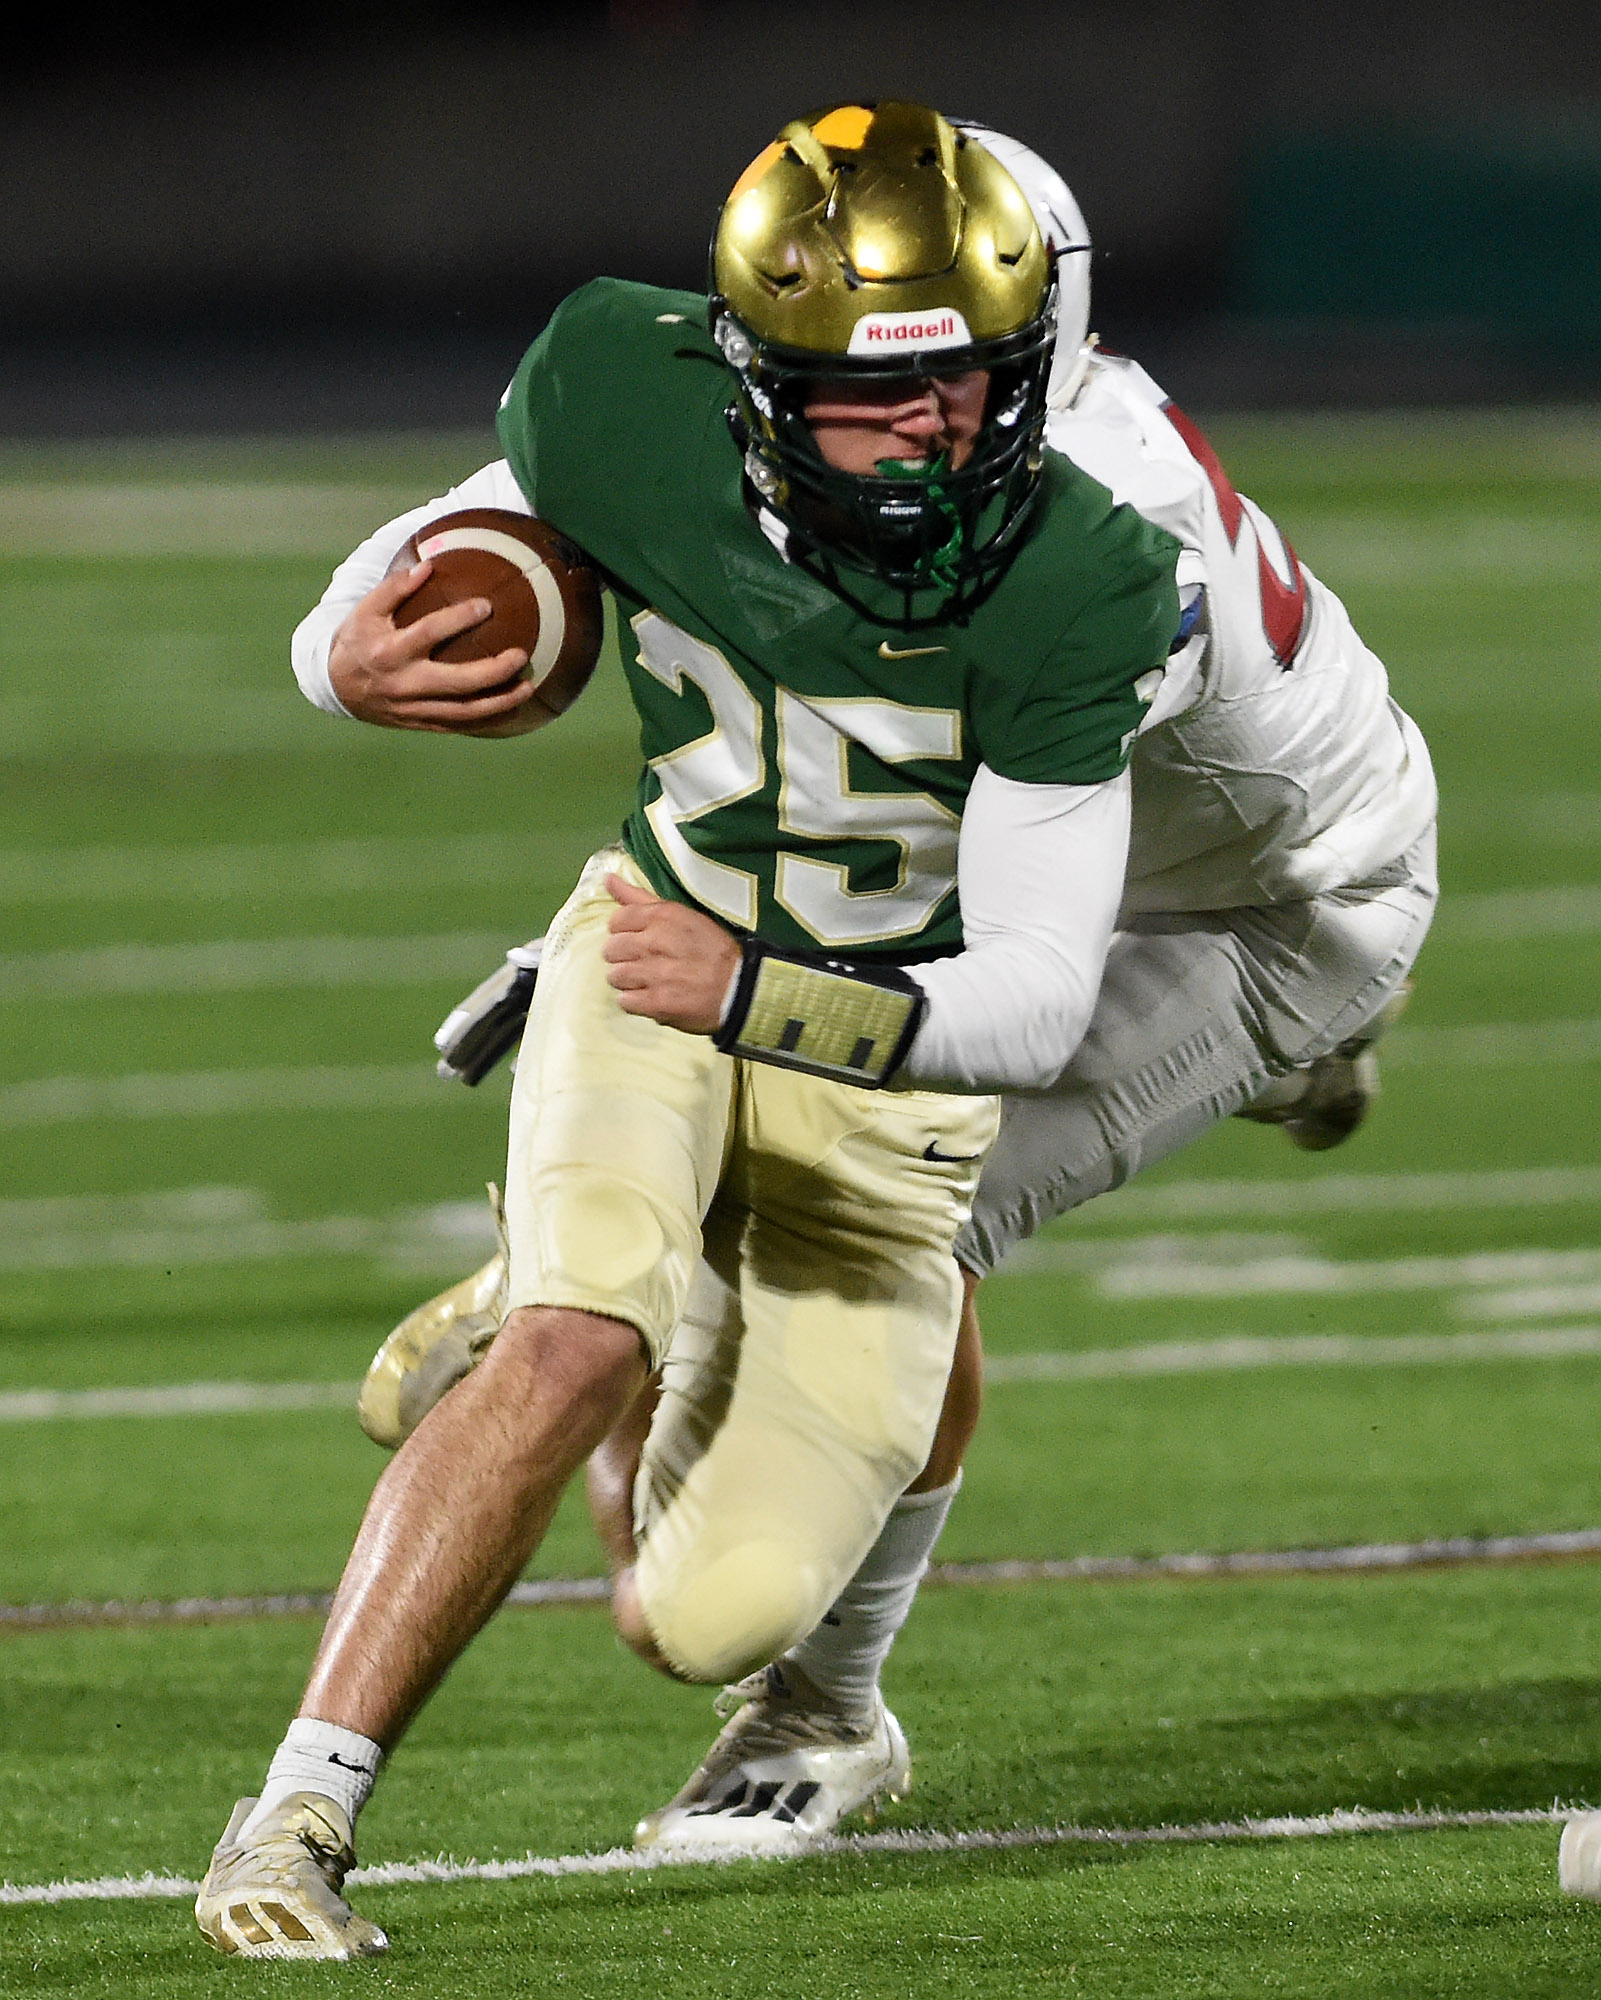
point(844, 1656)
point(319, 1757)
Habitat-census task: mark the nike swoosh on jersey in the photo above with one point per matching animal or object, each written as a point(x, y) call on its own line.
point(888, 652)
point(932, 1152)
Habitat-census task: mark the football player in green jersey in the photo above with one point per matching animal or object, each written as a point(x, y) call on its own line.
point(888, 659)
point(1278, 885)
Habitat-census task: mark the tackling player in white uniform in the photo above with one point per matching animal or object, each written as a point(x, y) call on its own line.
point(1279, 883)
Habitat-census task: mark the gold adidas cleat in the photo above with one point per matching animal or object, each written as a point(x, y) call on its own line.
point(434, 1347)
point(1322, 1105)
point(277, 1894)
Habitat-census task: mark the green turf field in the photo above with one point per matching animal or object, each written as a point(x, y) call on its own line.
point(227, 1163)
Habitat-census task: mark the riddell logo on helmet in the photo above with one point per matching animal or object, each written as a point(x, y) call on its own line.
point(880, 333)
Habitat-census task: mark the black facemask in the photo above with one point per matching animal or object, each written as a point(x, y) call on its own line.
point(915, 528)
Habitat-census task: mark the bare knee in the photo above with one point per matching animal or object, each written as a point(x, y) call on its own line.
point(964, 1398)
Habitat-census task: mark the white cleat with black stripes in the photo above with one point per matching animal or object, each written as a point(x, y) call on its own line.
point(787, 1768)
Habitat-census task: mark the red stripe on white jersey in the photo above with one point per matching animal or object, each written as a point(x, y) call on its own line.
point(1283, 599)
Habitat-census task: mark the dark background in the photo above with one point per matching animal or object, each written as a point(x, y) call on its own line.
point(357, 216)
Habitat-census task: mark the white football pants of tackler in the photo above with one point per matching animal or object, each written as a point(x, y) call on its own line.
point(1197, 1015)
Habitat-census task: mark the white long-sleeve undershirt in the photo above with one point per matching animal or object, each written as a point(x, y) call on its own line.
point(1040, 875)
point(1039, 869)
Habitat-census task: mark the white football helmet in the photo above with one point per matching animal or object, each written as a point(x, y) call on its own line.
point(1067, 238)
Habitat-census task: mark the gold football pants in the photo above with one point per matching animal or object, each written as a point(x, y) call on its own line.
point(808, 1360)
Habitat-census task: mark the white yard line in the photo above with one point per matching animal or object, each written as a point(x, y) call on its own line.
point(1261, 1277)
point(1177, 1357)
point(260, 1242)
point(191, 1207)
point(220, 873)
point(1532, 1302)
point(1322, 1194)
point(207, 1226)
point(1085, 1253)
point(178, 1399)
point(1494, 549)
point(67, 1100)
point(248, 965)
point(1342, 1822)
point(193, 518)
point(1299, 1350)
point(170, 1249)
point(416, 1241)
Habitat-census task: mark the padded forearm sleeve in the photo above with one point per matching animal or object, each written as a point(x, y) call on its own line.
point(824, 1016)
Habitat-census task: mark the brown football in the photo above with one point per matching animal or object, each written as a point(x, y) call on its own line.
point(544, 593)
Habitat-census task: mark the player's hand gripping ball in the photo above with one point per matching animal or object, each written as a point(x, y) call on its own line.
point(544, 594)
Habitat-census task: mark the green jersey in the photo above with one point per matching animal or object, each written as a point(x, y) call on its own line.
point(806, 763)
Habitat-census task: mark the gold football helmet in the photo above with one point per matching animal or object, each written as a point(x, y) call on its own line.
point(877, 241)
